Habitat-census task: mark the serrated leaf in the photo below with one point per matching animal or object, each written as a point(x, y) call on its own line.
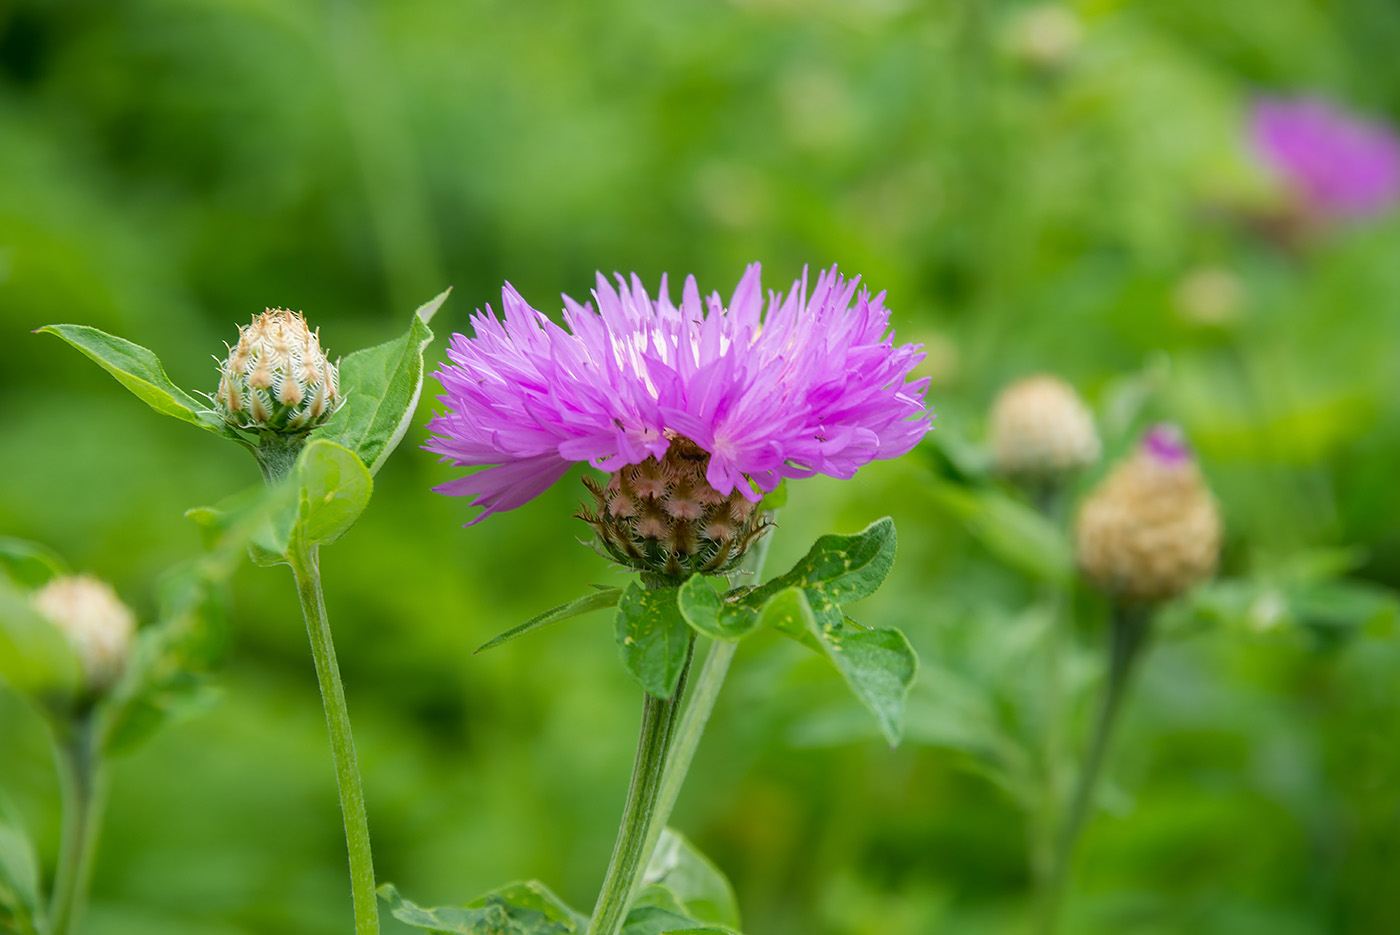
point(653, 638)
point(701, 890)
point(29, 564)
point(1012, 531)
point(878, 665)
point(335, 487)
point(382, 385)
point(515, 909)
point(714, 616)
point(140, 371)
point(577, 607)
point(21, 910)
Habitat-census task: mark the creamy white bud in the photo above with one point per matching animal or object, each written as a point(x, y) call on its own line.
point(1040, 428)
point(96, 623)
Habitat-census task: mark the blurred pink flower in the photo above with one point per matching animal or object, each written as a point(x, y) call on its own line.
point(1340, 165)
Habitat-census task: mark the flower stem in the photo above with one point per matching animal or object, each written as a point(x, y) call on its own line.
point(1130, 629)
point(306, 568)
point(78, 750)
point(698, 710)
point(640, 814)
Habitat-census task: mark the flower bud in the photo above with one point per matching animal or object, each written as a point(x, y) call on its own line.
point(277, 378)
point(1046, 36)
point(1040, 429)
point(96, 623)
point(664, 517)
point(1151, 530)
point(1210, 297)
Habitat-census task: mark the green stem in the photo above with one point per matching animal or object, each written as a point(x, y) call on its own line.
point(1130, 629)
point(306, 568)
point(698, 710)
point(640, 814)
point(77, 748)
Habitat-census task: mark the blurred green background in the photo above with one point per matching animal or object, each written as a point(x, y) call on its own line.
point(1035, 191)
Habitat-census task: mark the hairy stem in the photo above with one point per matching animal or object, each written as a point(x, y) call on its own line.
point(306, 568)
point(1130, 629)
point(640, 814)
point(78, 750)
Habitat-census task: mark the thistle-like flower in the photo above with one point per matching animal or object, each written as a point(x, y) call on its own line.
point(1151, 530)
point(277, 379)
point(695, 410)
point(96, 623)
point(1041, 429)
point(1336, 164)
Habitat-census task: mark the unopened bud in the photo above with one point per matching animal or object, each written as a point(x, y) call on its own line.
point(277, 378)
point(664, 517)
point(96, 623)
point(1046, 36)
point(1210, 296)
point(1151, 530)
point(1041, 429)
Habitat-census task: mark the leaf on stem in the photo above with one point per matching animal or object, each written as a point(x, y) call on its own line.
point(381, 385)
point(335, 488)
point(575, 608)
point(29, 564)
point(878, 665)
point(695, 884)
point(719, 618)
point(140, 371)
point(515, 909)
point(657, 920)
point(653, 638)
point(1012, 531)
point(35, 658)
point(165, 681)
point(20, 908)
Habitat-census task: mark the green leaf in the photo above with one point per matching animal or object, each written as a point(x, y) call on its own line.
point(140, 371)
point(878, 665)
point(656, 920)
point(577, 607)
point(839, 568)
point(714, 616)
point(335, 488)
point(1012, 531)
point(653, 638)
point(20, 907)
point(259, 520)
point(699, 887)
point(381, 385)
point(29, 564)
point(164, 682)
point(515, 909)
point(35, 657)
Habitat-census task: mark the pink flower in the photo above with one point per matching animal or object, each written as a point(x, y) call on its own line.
point(800, 385)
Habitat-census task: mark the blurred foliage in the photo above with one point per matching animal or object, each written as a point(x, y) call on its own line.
point(170, 167)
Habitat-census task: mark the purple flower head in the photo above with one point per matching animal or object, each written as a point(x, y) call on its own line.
point(1340, 165)
point(1165, 444)
point(802, 384)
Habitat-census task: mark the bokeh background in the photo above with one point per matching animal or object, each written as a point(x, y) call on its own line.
point(1036, 190)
